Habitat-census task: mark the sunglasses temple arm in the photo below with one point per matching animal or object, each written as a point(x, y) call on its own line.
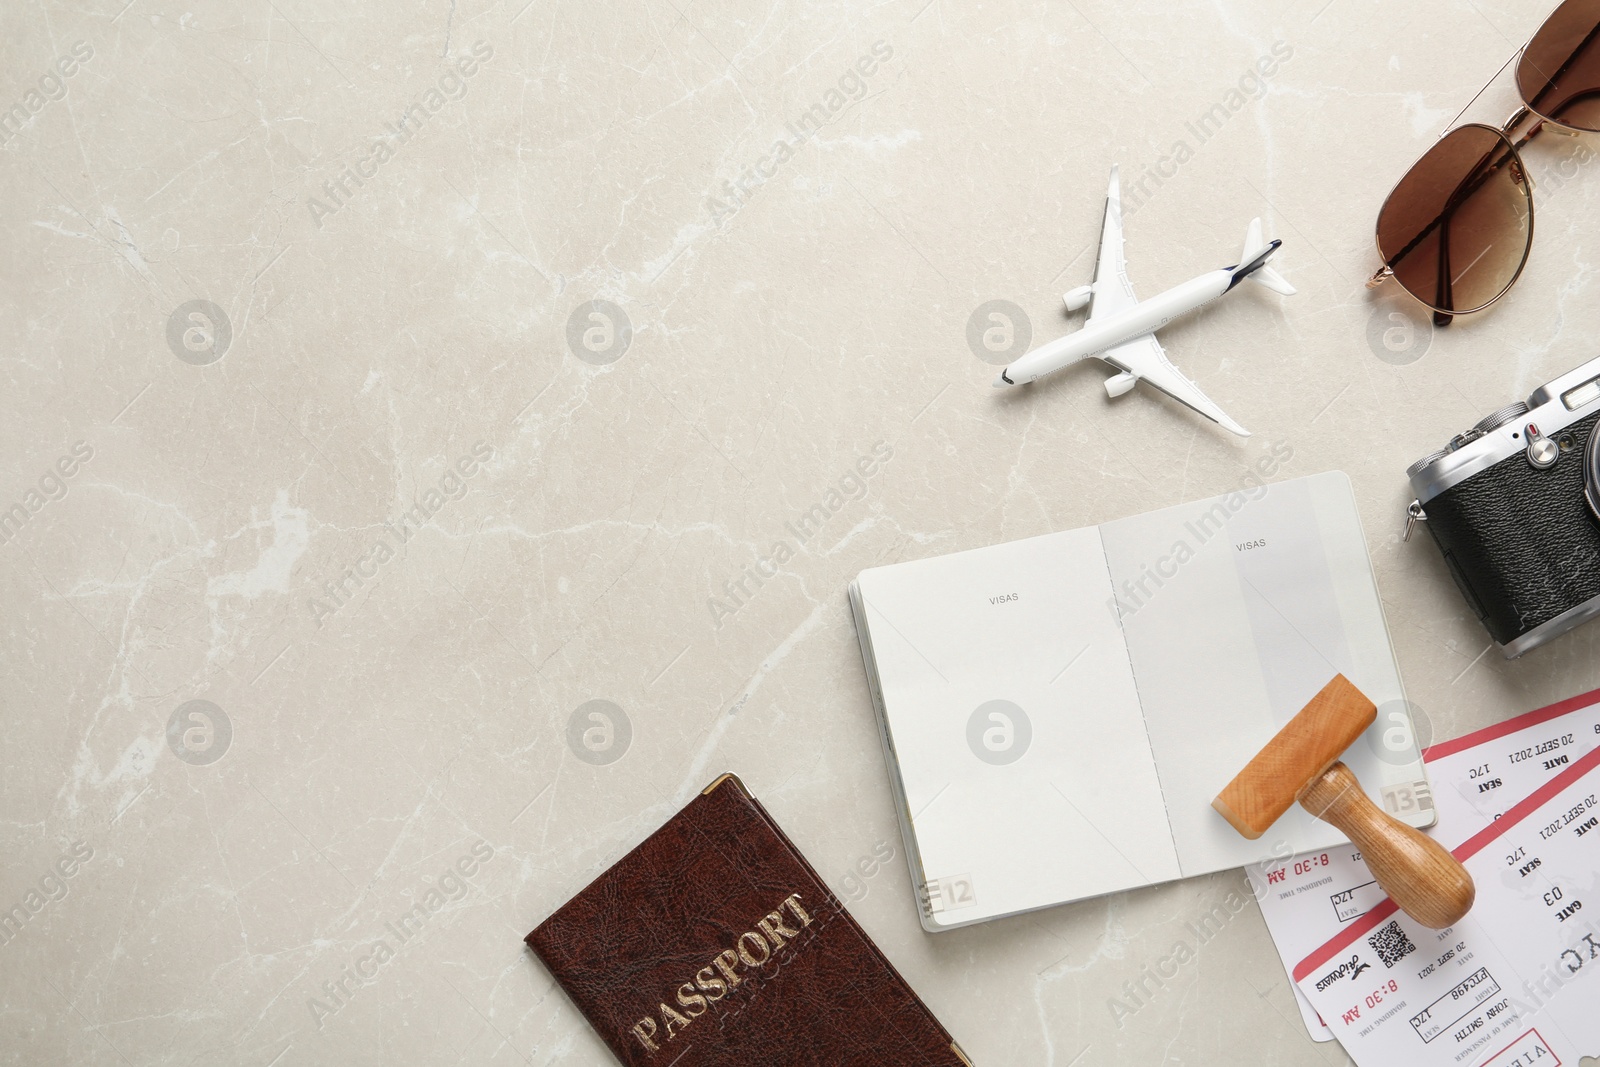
point(1442, 291)
point(1550, 80)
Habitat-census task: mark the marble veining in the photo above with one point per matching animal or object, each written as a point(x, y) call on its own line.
point(437, 440)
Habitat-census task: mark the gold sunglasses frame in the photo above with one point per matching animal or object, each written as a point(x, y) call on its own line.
point(1508, 134)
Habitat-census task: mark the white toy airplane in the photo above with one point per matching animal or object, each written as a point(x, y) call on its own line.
point(1121, 328)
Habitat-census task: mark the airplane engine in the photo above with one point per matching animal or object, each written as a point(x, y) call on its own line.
point(1118, 384)
point(1077, 298)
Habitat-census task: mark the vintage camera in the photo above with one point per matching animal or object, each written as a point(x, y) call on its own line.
point(1514, 505)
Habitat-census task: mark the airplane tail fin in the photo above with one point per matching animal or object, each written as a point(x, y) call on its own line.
point(1254, 243)
point(1254, 247)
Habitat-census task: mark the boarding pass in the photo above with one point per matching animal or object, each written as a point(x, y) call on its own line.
point(1514, 984)
point(1308, 899)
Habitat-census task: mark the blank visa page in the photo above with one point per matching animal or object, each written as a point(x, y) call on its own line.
point(1016, 725)
point(1237, 610)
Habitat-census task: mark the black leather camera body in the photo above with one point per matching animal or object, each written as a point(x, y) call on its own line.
point(1514, 505)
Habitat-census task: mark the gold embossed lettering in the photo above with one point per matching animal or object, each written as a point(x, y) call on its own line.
point(744, 953)
point(773, 927)
point(714, 987)
point(673, 1020)
point(724, 963)
point(753, 949)
point(644, 1030)
point(793, 903)
point(691, 1001)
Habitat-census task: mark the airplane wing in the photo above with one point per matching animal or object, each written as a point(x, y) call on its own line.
point(1113, 291)
point(1146, 360)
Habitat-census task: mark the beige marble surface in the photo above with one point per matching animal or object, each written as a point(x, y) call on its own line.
point(395, 507)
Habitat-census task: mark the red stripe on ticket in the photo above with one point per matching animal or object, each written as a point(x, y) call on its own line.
point(1510, 726)
point(1468, 849)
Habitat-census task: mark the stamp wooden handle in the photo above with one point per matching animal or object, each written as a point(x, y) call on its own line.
point(1424, 881)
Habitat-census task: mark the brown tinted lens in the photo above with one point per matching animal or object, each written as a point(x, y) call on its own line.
point(1559, 75)
point(1456, 230)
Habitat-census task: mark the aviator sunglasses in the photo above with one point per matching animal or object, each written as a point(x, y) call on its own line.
point(1457, 229)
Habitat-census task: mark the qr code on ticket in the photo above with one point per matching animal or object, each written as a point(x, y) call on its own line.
point(1391, 943)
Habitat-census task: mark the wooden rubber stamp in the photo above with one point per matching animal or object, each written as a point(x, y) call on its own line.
point(1302, 763)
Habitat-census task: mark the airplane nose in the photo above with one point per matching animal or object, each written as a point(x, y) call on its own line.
point(1002, 382)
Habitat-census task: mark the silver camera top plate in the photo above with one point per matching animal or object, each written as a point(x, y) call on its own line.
point(1552, 408)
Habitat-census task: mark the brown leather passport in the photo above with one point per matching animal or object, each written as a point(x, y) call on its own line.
point(715, 943)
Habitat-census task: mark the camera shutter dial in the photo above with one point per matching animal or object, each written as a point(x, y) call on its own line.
point(1501, 417)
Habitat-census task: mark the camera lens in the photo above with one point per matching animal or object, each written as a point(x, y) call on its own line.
point(1501, 417)
point(1591, 472)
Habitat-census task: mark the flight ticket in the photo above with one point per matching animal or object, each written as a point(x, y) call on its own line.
point(1513, 984)
point(1309, 898)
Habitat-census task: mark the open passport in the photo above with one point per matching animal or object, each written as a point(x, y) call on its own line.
point(1057, 713)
